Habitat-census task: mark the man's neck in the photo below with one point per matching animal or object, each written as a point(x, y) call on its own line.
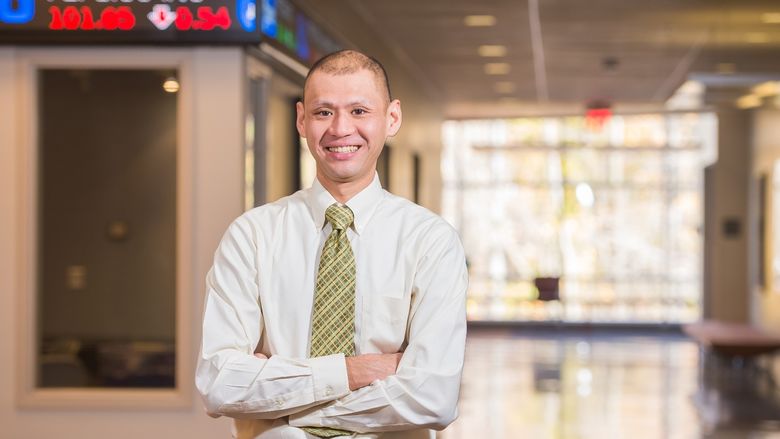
point(344, 191)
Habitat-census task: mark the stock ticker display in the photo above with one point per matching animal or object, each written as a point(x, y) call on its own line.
point(129, 21)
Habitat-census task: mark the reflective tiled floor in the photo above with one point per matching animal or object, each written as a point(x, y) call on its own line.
point(562, 383)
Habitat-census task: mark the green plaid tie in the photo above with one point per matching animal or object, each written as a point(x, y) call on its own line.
point(333, 319)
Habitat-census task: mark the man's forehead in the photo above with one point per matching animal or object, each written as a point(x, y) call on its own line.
point(348, 79)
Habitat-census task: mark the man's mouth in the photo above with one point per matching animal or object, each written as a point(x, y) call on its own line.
point(342, 149)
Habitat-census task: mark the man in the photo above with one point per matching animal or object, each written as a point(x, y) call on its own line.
point(338, 311)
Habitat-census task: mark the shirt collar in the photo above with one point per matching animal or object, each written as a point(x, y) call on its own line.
point(363, 204)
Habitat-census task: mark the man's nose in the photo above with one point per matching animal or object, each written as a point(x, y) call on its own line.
point(341, 125)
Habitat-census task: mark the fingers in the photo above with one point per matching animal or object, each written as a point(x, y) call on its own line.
point(364, 369)
point(396, 360)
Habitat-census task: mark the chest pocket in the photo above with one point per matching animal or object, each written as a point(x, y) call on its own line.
point(387, 314)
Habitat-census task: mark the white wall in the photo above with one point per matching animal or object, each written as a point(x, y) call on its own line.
point(214, 179)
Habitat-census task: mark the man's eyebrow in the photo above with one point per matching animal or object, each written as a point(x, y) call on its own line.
point(363, 102)
point(354, 102)
point(322, 103)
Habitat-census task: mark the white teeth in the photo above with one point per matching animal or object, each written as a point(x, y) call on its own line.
point(342, 149)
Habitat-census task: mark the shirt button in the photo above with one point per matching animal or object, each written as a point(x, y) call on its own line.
point(279, 403)
point(328, 390)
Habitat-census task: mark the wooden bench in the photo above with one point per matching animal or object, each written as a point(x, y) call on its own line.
point(733, 339)
point(736, 349)
point(733, 379)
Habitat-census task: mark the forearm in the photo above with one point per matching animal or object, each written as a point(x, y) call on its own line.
point(410, 400)
point(242, 385)
point(230, 378)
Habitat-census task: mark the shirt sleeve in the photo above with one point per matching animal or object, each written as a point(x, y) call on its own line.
point(424, 392)
point(231, 380)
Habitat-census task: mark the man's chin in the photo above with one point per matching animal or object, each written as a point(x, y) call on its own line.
point(343, 176)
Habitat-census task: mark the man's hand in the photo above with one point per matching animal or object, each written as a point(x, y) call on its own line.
point(362, 370)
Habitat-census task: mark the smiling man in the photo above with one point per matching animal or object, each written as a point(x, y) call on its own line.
point(338, 311)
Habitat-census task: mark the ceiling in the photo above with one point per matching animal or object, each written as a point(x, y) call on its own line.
point(572, 52)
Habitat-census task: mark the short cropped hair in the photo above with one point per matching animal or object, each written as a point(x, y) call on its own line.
point(344, 62)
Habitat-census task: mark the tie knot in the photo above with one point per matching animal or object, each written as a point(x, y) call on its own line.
point(340, 217)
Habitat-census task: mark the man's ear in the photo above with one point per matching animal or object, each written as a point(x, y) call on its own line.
point(299, 119)
point(394, 118)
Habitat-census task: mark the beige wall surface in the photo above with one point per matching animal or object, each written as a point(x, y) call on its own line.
point(423, 111)
point(281, 138)
point(8, 223)
point(766, 144)
point(211, 176)
point(749, 145)
point(729, 275)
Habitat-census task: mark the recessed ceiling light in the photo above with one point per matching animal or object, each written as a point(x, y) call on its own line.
point(748, 101)
point(504, 87)
point(726, 68)
point(756, 37)
point(771, 17)
point(691, 87)
point(769, 88)
point(489, 50)
point(497, 68)
point(171, 85)
point(479, 20)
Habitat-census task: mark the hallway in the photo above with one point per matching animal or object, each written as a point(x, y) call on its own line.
point(562, 383)
point(606, 165)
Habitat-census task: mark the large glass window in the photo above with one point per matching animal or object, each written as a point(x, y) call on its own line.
point(613, 212)
point(106, 228)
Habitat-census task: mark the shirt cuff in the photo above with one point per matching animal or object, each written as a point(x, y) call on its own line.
point(330, 377)
point(330, 383)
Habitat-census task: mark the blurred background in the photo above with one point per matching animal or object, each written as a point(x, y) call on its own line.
point(611, 167)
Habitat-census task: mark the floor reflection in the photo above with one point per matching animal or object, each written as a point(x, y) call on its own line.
point(563, 383)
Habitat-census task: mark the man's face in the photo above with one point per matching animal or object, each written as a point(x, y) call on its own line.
point(346, 120)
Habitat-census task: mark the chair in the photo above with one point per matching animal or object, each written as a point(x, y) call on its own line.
point(549, 291)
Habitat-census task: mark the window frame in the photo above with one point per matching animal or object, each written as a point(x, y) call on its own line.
point(459, 140)
point(29, 62)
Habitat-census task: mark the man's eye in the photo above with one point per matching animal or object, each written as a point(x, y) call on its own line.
point(323, 113)
point(358, 111)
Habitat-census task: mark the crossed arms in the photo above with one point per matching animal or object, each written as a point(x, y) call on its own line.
point(364, 369)
point(365, 393)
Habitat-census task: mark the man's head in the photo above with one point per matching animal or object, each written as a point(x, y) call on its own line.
point(346, 116)
point(350, 61)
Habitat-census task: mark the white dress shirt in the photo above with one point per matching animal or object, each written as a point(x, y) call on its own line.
point(410, 298)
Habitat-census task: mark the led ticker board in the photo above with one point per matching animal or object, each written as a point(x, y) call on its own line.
point(129, 21)
point(287, 27)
